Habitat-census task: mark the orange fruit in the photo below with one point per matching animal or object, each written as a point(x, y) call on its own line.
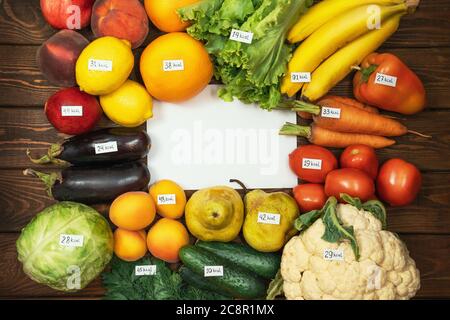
point(133, 211)
point(129, 245)
point(189, 79)
point(166, 238)
point(169, 198)
point(163, 14)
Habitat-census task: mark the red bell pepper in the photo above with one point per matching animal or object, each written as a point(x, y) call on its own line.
point(386, 82)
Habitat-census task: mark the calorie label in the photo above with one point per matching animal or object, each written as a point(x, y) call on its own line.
point(269, 218)
point(313, 164)
point(241, 36)
point(100, 65)
point(107, 147)
point(149, 270)
point(334, 113)
point(71, 240)
point(167, 199)
point(72, 111)
point(300, 77)
point(386, 80)
point(173, 65)
point(333, 255)
point(213, 271)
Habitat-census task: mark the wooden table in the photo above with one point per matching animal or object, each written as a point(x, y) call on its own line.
point(423, 42)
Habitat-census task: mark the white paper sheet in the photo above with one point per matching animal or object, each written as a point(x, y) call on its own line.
point(206, 142)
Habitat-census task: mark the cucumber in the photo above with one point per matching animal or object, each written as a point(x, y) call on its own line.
point(235, 282)
point(265, 265)
point(198, 281)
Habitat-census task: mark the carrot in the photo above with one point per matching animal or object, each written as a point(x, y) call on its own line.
point(326, 138)
point(349, 102)
point(352, 119)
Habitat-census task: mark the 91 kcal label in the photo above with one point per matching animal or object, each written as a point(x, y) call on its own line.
point(300, 77)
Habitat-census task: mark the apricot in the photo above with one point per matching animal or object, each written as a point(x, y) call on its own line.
point(164, 16)
point(166, 238)
point(129, 245)
point(125, 20)
point(133, 211)
point(169, 198)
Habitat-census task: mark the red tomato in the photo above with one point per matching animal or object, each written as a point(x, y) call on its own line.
point(312, 163)
point(399, 182)
point(353, 182)
point(362, 157)
point(310, 196)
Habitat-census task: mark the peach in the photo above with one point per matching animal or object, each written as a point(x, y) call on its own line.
point(169, 198)
point(166, 238)
point(129, 245)
point(125, 20)
point(58, 56)
point(133, 211)
point(67, 14)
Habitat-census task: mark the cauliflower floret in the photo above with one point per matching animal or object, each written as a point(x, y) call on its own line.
point(384, 271)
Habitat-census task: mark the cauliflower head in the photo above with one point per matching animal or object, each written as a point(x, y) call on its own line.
point(384, 271)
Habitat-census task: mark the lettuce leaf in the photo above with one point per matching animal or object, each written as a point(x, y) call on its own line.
point(250, 72)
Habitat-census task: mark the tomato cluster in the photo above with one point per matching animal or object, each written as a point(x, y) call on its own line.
point(396, 182)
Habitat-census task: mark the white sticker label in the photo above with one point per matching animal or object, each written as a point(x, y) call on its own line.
point(300, 77)
point(71, 240)
point(333, 255)
point(173, 65)
point(334, 113)
point(149, 270)
point(100, 65)
point(313, 164)
point(241, 36)
point(213, 271)
point(386, 80)
point(167, 199)
point(268, 218)
point(107, 147)
point(72, 111)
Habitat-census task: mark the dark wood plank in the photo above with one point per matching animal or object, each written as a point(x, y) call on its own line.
point(22, 84)
point(24, 128)
point(429, 251)
point(22, 197)
point(23, 24)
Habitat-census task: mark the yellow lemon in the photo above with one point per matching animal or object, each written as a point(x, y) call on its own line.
point(129, 106)
point(104, 65)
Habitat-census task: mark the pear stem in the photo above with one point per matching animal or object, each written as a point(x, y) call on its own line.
point(239, 182)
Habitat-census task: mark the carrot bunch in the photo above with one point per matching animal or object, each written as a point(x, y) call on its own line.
point(340, 122)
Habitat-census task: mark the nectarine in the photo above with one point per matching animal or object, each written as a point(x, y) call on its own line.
point(133, 211)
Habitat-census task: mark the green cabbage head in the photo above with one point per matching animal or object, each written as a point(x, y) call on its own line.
point(66, 246)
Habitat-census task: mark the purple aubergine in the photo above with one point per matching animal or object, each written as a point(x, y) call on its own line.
point(95, 185)
point(105, 146)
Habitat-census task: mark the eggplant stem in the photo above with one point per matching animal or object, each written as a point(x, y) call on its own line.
point(48, 179)
point(420, 134)
point(53, 152)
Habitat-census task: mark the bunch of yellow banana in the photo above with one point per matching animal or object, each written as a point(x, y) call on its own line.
point(337, 35)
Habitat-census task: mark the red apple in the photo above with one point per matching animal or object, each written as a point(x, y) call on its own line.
point(72, 111)
point(67, 14)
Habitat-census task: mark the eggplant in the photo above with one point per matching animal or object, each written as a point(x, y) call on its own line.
point(111, 145)
point(94, 185)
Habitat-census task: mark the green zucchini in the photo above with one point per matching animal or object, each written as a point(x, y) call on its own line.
point(235, 282)
point(265, 265)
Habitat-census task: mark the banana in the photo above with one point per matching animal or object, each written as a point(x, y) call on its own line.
point(324, 11)
point(339, 65)
point(329, 38)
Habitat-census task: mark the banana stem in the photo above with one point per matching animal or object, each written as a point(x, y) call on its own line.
point(412, 5)
point(292, 129)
